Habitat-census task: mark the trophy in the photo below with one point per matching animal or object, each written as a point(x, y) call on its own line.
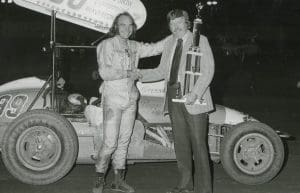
point(192, 69)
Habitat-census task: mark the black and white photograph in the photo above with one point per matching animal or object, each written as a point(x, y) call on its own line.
point(149, 96)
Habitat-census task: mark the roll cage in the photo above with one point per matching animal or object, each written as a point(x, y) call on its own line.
point(55, 49)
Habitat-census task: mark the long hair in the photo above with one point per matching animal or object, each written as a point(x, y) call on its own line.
point(114, 29)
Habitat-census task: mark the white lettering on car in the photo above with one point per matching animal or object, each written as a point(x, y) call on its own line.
point(16, 106)
point(4, 100)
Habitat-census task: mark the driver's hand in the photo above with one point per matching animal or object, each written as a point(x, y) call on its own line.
point(134, 74)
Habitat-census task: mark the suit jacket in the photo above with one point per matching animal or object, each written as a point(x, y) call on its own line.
point(201, 88)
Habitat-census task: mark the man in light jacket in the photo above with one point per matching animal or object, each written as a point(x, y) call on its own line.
point(189, 120)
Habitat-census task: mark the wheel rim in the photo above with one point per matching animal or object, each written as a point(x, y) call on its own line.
point(253, 153)
point(38, 148)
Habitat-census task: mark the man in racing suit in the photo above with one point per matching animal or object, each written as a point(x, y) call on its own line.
point(118, 59)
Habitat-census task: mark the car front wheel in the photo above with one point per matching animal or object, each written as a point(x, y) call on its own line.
point(252, 153)
point(39, 147)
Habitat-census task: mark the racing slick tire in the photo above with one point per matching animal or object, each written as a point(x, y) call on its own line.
point(39, 147)
point(252, 153)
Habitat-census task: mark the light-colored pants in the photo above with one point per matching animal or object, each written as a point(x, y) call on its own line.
point(118, 122)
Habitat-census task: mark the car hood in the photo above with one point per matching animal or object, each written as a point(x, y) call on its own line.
point(23, 83)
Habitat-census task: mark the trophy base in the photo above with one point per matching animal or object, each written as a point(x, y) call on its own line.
point(183, 100)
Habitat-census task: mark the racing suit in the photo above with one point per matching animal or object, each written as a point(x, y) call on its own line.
point(119, 96)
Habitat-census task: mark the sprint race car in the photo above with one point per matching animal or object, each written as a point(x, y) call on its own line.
point(44, 130)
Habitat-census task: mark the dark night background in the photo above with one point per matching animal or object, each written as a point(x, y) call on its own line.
point(256, 50)
point(255, 45)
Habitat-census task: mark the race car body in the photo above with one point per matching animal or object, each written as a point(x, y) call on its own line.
point(34, 133)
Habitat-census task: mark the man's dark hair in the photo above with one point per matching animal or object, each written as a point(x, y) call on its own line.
point(114, 29)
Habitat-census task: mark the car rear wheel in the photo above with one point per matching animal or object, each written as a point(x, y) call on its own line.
point(39, 147)
point(252, 153)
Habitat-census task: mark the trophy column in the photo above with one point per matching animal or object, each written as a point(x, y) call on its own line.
point(193, 60)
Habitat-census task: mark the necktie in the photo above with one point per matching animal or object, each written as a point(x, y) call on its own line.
point(176, 62)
